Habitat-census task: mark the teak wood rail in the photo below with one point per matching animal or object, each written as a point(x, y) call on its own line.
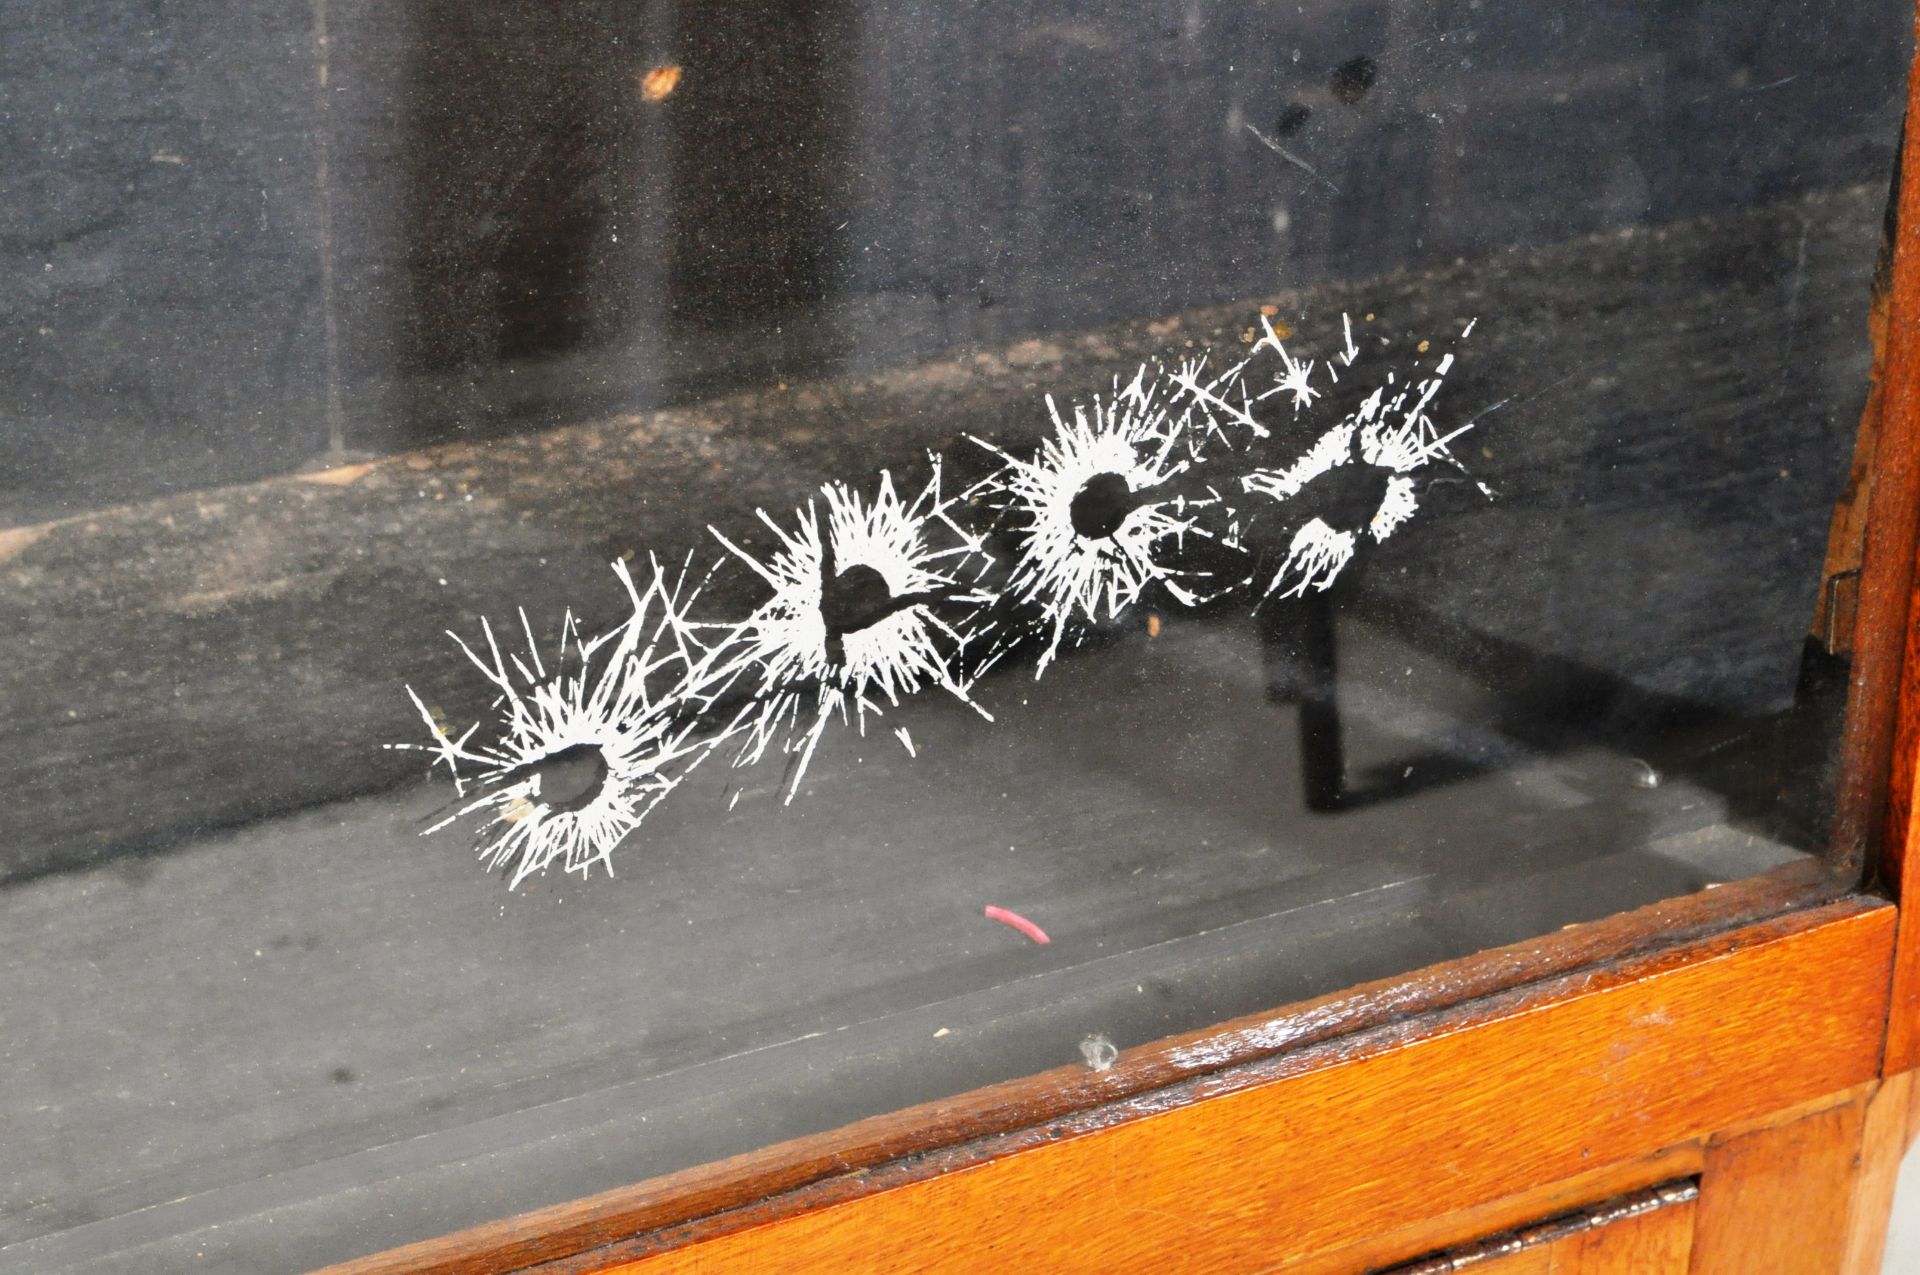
point(1717, 1083)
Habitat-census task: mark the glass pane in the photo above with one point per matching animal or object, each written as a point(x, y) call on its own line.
point(982, 534)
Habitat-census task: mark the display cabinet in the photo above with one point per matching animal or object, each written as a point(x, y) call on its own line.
point(764, 637)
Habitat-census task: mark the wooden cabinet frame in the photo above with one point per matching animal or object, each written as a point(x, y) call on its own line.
point(1748, 1049)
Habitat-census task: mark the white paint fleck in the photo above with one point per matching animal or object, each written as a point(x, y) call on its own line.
point(1100, 1053)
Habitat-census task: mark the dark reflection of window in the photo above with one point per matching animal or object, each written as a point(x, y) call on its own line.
point(760, 168)
point(563, 210)
point(518, 158)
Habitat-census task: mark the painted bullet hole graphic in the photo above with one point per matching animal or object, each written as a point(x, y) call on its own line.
point(1347, 496)
point(570, 780)
point(858, 598)
point(1101, 505)
point(871, 596)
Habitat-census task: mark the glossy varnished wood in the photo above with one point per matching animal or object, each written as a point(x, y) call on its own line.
point(1648, 1244)
point(1900, 866)
point(1317, 1148)
point(1884, 1138)
point(1809, 1195)
point(1776, 1199)
point(1872, 802)
point(1898, 650)
point(1649, 1232)
point(1448, 1231)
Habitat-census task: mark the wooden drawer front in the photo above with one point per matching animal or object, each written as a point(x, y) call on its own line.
point(1649, 1232)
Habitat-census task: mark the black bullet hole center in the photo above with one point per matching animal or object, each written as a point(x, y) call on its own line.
point(1101, 505)
point(855, 599)
point(571, 778)
point(1292, 118)
point(1345, 498)
point(859, 598)
point(1352, 79)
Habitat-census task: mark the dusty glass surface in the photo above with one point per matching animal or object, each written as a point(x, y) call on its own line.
point(1262, 496)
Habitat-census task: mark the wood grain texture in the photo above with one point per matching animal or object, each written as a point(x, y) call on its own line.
point(1777, 1199)
point(1023, 1112)
point(1583, 1192)
point(1647, 1233)
point(1912, 1131)
point(1895, 462)
point(1650, 1244)
point(1887, 559)
point(1883, 1143)
point(1532, 1261)
point(1453, 1230)
point(1807, 1195)
point(1319, 1147)
point(1900, 868)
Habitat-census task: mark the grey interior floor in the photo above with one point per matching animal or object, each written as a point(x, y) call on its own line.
point(325, 1034)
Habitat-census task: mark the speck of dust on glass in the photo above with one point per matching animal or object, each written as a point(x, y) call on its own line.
point(893, 589)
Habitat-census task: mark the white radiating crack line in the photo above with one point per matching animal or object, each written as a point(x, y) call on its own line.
point(1392, 430)
point(875, 597)
point(1227, 397)
point(799, 669)
point(606, 709)
point(1080, 568)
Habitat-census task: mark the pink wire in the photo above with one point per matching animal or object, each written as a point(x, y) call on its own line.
point(1018, 922)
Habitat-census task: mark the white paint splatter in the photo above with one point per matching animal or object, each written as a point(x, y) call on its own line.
point(1396, 507)
point(1392, 430)
point(1317, 554)
point(874, 598)
point(1296, 375)
point(1227, 397)
point(804, 663)
point(1097, 509)
point(1331, 449)
point(604, 709)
